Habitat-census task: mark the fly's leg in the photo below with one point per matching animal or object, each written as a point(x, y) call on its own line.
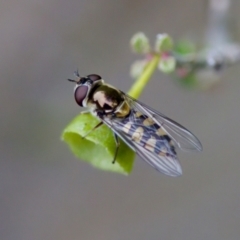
point(101, 114)
point(97, 126)
point(117, 147)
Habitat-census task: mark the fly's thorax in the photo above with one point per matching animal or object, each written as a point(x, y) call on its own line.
point(123, 110)
point(108, 99)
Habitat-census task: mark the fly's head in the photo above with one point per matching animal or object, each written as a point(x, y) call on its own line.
point(83, 87)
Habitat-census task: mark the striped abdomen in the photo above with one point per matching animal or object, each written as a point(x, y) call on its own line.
point(144, 131)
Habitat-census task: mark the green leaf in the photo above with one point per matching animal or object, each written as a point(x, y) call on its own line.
point(99, 146)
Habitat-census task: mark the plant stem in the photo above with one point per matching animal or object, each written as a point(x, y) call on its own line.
point(141, 82)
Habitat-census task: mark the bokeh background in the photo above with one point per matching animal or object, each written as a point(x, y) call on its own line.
point(45, 192)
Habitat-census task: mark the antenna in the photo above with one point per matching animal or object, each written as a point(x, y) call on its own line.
point(72, 80)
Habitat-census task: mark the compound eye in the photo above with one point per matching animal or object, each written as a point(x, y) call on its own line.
point(94, 77)
point(80, 94)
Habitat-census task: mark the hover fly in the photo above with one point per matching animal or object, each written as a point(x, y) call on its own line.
point(153, 136)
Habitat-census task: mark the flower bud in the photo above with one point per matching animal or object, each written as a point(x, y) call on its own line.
point(140, 43)
point(167, 65)
point(137, 68)
point(163, 43)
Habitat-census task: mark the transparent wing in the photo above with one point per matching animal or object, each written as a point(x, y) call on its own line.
point(165, 161)
point(147, 138)
point(182, 137)
point(153, 136)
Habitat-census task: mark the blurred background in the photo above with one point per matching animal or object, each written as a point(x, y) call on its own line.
point(45, 192)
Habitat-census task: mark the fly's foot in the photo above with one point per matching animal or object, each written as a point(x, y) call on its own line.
point(100, 113)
